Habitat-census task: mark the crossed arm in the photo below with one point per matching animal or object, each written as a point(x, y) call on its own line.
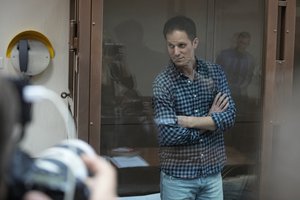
point(220, 104)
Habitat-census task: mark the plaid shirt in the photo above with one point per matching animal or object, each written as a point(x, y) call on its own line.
point(186, 152)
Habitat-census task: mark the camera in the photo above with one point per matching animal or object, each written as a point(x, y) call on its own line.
point(59, 172)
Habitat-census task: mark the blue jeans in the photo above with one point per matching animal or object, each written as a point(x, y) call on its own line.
point(208, 188)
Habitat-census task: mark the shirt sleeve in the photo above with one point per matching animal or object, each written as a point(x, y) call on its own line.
point(224, 120)
point(169, 132)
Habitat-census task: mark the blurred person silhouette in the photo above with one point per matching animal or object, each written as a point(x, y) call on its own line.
point(9, 127)
point(128, 71)
point(238, 64)
point(193, 107)
point(143, 62)
point(102, 184)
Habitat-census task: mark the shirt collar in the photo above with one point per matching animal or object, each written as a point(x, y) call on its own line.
point(179, 74)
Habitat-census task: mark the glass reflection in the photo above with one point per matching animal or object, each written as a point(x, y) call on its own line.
point(238, 64)
point(238, 49)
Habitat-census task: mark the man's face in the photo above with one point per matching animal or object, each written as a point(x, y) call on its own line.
point(181, 49)
point(243, 43)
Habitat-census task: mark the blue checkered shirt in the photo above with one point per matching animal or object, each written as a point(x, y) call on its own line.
point(186, 152)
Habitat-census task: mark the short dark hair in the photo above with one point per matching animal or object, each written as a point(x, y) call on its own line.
point(244, 34)
point(181, 23)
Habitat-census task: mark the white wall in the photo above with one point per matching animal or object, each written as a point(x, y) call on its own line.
point(51, 19)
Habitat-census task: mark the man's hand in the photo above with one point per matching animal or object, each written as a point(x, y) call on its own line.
point(35, 195)
point(220, 104)
point(103, 183)
point(183, 121)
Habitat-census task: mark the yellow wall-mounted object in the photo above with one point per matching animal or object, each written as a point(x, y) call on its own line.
point(30, 35)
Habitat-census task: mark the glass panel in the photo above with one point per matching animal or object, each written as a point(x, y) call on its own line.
point(134, 52)
point(238, 48)
point(285, 139)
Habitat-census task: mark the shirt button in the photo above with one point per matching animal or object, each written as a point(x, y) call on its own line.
point(201, 140)
point(202, 155)
point(196, 111)
point(195, 95)
point(189, 81)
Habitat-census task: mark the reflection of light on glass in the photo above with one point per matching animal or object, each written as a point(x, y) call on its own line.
point(285, 178)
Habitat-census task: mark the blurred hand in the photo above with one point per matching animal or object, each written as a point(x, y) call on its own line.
point(35, 195)
point(103, 183)
point(220, 104)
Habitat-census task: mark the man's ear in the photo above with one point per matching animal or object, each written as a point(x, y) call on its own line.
point(195, 42)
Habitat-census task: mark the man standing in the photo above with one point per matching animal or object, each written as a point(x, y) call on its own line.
point(238, 65)
point(193, 108)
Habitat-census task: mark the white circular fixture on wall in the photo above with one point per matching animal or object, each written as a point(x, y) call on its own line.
point(30, 52)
